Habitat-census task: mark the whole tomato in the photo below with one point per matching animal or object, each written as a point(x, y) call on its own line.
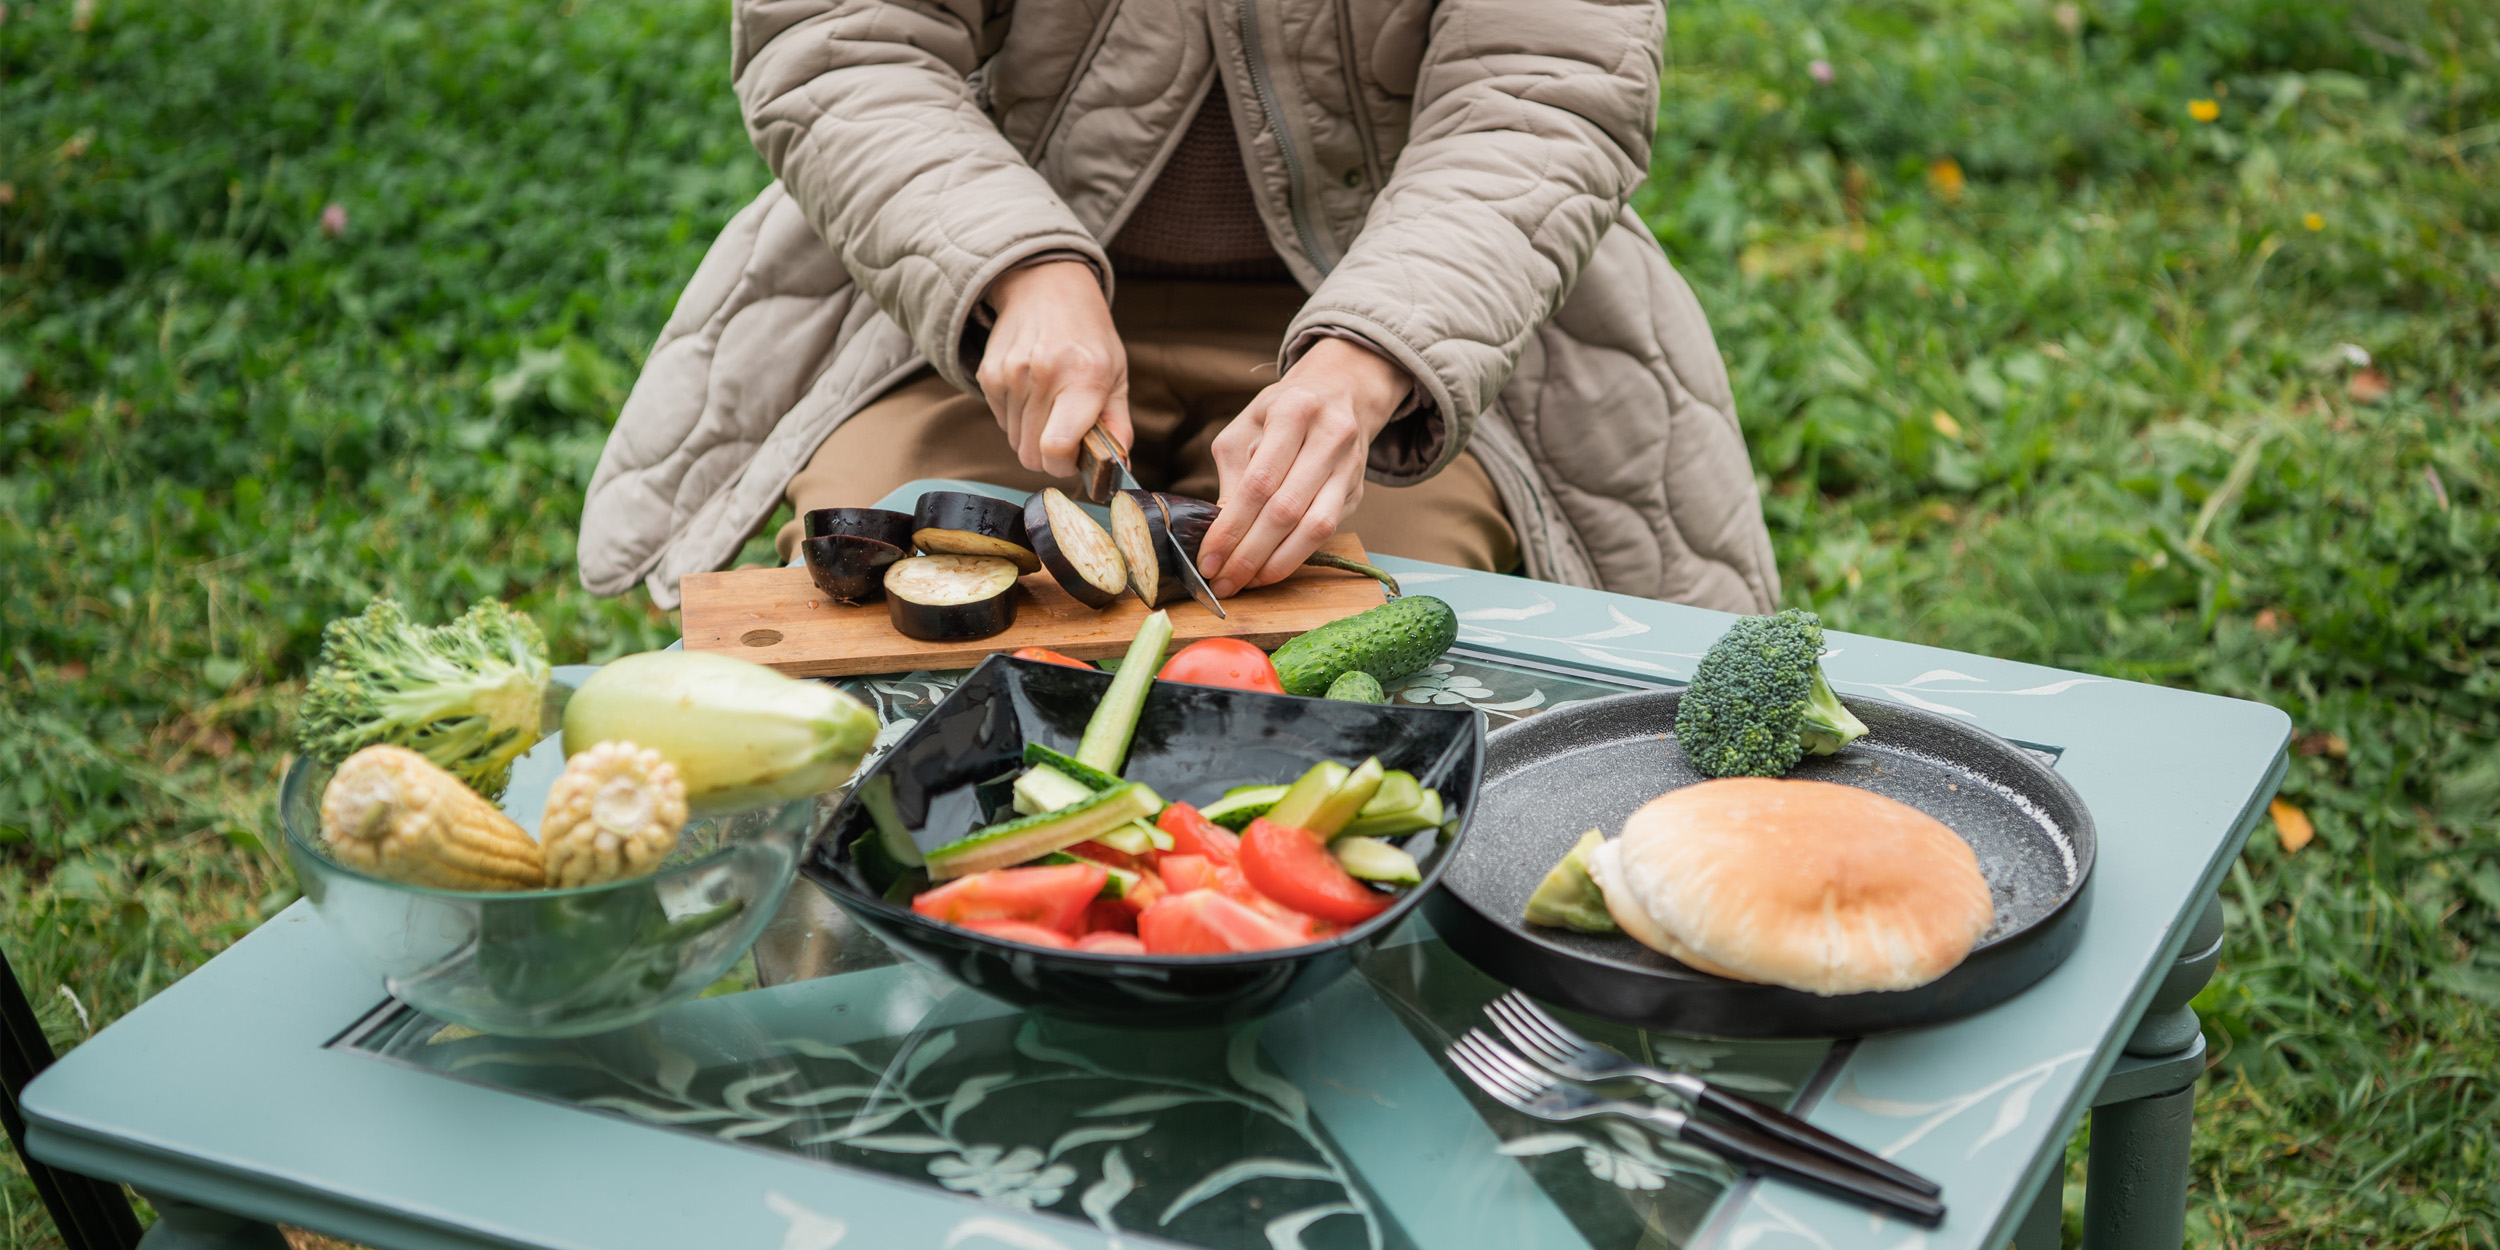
point(1227, 662)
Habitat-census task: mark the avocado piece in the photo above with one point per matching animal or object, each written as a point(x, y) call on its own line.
point(1013, 842)
point(1568, 898)
point(1390, 642)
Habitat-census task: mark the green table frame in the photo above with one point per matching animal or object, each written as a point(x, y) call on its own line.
point(222, 1091)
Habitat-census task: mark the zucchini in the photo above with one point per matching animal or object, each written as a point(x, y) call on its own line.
point(1392, 641)
point(1356, 686)
point(1370, 859)
point(1043, 788)
point(1425, 815)
point(1242, 805)
point(1031, 837)
point(1307, 793)
point(1347, 801)
point(1036, 755)
point(1105, 744)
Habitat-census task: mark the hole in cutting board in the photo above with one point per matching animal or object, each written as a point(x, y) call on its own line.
point(761, 637)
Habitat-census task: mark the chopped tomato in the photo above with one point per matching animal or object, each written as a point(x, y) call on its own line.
point(1054, 897)
point(1227, 662)
point(1111, 944)
point(1204, 922)
point(1293, 867)
point(1183, 873)
point(1018, 931)
point(1048, 656)
point(1194, 834)
point(1110, 915)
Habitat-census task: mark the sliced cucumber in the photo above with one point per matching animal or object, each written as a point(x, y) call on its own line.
point(1036, 755)
point(1240, 806)
point(1351, 794)
point(1415, 819)
point(1398, 791)
point(1031, 837)
point(1154, 832)
point(1370, 859)
point(877, 795)
point(1043, 788)
point(1117, 885)
point(1307, 793)
point(1128, 839)
point(1107, 734)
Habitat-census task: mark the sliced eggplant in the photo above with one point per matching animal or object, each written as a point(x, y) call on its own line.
point(882, 524)
point(1191, 518)
point(1075, 548)
point(1153, 564)
point(958, 523)
point(850, 568)
point(951, 598)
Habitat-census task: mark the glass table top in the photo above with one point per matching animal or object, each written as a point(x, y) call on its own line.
point(1333, 1124)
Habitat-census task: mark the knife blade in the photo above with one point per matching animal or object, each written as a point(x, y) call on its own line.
point(1105, 449)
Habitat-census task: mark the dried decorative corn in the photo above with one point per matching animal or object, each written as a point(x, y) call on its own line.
point(396, 814)
point(614, 814)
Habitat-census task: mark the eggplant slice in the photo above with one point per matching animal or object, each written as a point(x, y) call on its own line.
point(951, 598)
point(850, 568)
point(1191, 518)
point(882, 524)
point(958, 523)
point(1153, 564)
point(1075, 548)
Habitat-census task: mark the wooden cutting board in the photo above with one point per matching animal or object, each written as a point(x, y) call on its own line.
point(778, 617)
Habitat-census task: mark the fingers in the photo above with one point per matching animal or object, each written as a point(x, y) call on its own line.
point(1253, 458)
point(1298, 482)
point(1073, 411)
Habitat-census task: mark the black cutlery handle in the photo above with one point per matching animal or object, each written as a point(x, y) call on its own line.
point(1796, 1132)
point(1757, 1152)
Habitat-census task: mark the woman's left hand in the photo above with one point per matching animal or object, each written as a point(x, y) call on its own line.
point(1291, 465)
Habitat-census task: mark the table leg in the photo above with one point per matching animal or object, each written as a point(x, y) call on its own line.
point(2045, 1224)
point(2144, 1120)
point(188, 1226)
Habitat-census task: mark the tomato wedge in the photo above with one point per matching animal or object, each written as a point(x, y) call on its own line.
point(1227, 662)
point(1109, 915)
point(1293, 867)
point(1018, 931)
point(1054, 897)
point(1183, 873)
point(1111, 944)
point(1204, 922)
point(1048, 656)
point(1194, 834)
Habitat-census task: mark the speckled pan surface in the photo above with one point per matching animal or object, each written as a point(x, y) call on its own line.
point(1552, 776)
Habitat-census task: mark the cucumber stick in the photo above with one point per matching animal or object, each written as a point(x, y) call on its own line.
point(1399, 791)
point(877, 795)
point(1043, 788)
point(1424, 815)
point(1350, 796)
point(1036, 755)
point(1370, 859)
point(1302, 801)
point(1031, 837)
point(1105, 744)
point(1238, 808)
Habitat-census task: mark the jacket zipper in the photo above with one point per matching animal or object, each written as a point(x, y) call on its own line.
point(1354, 98)
point(1297, 186)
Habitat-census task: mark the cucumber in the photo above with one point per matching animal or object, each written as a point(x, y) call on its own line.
point(1239, 807)
point(1116, 885)
point(1370, 859)
point(1105, 744)
point(1043, 788)
point(1036, 756)
point(1357, 686)
point(1031, 837)
point(1424, 815)
point(1136, 838)
point(877, 795)
point(1303, 799)
point(1399, 791)
point(1395, 640)
point(1348, 800)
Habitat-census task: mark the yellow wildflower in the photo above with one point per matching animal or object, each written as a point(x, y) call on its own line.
point(1944, 174)
point(2204, 110)
point(2315, 221)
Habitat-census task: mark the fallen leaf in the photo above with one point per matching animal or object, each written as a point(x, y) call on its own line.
point(2291, 825)
point(1945, 424)
point(2267, 622)
point(2330, 745)
point(2368, 386)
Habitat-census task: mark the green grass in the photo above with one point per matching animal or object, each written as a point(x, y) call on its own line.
point(2083, 396)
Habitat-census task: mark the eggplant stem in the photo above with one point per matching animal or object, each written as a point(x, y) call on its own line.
point(1327, 561)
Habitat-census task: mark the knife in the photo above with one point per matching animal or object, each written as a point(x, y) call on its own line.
point(1099, 450)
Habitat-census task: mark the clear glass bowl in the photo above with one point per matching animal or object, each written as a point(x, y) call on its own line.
point(554, 963)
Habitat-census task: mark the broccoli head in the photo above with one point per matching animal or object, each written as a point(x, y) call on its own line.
point(1759, 703)
point(465, 695)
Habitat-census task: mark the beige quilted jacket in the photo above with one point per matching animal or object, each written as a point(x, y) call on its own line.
point(1447, 179)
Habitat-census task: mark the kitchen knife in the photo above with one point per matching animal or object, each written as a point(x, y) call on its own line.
point(1100, 449)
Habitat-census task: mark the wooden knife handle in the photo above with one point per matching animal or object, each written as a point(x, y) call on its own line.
point(1097, 466)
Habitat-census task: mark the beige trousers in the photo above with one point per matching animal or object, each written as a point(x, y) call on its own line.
point(1197, 354)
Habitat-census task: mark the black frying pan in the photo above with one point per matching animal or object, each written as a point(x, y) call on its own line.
point(1552, 776)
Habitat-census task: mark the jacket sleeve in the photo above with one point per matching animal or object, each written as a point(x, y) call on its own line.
point(865, 111)
point(1532, 125)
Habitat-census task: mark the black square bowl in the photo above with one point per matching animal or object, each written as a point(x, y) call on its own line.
point(951, 774)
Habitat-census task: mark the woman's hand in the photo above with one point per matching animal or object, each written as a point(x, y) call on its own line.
point(1291, 465)
point(1054, 364)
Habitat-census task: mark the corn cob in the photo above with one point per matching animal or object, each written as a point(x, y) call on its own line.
point(394, 813)
point(614, 814)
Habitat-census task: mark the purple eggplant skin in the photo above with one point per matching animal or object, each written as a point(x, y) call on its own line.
point(1192, 518)
point(952, 622)
point(883, 524)
point(959, 523)
point(1054, 549)
point(849, 568)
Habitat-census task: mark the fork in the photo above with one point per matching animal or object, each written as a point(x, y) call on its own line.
point(1541, 1037)
point(1532, 1091)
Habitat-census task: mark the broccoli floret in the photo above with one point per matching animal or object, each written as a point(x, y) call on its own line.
point(466, 695)
point(1759, 703)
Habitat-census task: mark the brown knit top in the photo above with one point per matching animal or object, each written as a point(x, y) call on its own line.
point(1198, 219)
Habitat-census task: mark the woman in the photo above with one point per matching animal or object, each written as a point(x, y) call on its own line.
point(996, 223)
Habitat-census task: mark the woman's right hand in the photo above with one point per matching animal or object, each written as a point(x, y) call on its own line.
point(1054, 364)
